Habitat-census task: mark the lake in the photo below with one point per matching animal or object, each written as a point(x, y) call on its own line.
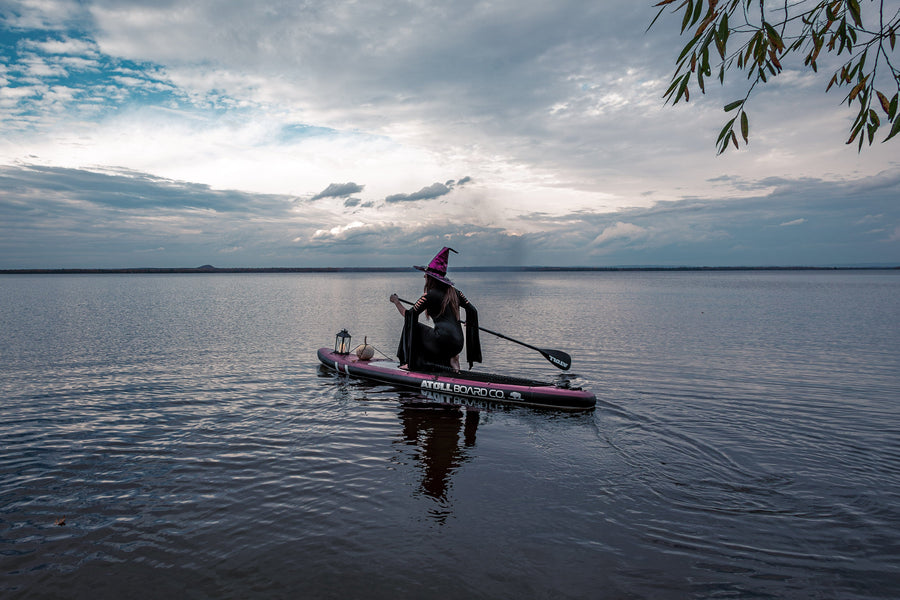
point(745, 444)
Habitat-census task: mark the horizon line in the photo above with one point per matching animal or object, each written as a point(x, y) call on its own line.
point(522, 269)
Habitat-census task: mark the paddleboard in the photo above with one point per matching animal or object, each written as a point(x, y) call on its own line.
point(464, 384)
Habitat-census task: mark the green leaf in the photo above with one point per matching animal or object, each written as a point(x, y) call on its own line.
point(671, 88)
point(885, 103)
point(855, 12)
point(687, 15)
point(733, 105)
point(682, 88)
point(686, 50)
point(725, 130)
point(894, 130)
point(873, 118)
point(720, 46)
point(697, 12)
point(654, 19)
point(745, 127)
point(855, 131)
point(773, 36)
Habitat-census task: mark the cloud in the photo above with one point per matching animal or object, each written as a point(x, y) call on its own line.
point(520, 94)
point(339, 190)
point(122, 189)
point(57, 217)
point(792, 223)
point(435, 190)
point(62, 45)
point(341, 231)
point(895, 236)
point(620, 230)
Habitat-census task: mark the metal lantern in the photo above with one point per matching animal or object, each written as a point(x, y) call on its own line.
point(342, 342)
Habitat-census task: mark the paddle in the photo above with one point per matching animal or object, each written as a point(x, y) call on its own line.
point(557, 358)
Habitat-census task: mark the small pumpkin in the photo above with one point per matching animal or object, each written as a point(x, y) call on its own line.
point(365, 351)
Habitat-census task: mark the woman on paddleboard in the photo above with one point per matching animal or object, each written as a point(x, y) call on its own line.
point(421, 345)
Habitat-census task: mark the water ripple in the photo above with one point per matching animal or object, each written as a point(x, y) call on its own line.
point(743, 444)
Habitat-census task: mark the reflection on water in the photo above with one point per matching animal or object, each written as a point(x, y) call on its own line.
point(436, 431)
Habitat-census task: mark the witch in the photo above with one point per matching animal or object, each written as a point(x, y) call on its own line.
point(422, 346)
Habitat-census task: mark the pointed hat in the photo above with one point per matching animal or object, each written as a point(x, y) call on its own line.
point(437, 268)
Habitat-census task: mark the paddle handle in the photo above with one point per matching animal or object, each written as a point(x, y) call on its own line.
point(505, 337)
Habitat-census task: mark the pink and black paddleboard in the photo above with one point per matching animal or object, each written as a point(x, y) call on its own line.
point(463, 384)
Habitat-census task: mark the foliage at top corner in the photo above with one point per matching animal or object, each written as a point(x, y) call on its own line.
point(758, 37)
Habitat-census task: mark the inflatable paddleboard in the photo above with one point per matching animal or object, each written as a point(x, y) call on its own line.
point(464, 384)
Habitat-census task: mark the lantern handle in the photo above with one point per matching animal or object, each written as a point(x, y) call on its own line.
point(557, 358)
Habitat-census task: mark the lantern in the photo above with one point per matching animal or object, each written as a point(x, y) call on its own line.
point(342, 342)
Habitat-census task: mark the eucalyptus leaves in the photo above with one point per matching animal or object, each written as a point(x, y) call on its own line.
point(757, 36)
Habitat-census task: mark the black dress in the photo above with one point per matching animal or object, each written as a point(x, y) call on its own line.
point(421, 345)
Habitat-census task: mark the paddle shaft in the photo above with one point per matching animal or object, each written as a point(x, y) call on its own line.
point(557, 358)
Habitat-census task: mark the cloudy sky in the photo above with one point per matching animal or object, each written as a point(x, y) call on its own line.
point(337, 133)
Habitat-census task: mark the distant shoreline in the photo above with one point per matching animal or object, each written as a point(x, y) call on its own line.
point(533, 269)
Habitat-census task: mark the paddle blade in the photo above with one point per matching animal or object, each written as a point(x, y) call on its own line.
point(557, 358)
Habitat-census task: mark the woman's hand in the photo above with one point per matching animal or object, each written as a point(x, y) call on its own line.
point(395, 299)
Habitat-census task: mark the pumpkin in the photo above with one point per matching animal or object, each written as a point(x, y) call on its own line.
point(364, 351)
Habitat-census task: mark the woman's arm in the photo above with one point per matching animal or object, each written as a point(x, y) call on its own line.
point(473, 340)
point(417, 308)
point(395, 300)
point(464, 302)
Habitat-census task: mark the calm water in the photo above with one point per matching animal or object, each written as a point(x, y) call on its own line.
point(746, 442)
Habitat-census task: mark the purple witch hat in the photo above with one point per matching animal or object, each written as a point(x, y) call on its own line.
point(437, 268)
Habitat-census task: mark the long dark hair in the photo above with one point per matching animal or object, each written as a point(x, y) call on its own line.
point(450, 300)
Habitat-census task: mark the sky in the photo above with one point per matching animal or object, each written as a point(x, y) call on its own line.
point(333, 133)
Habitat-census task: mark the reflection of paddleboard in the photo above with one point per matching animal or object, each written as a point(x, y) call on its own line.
point(465, 384)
